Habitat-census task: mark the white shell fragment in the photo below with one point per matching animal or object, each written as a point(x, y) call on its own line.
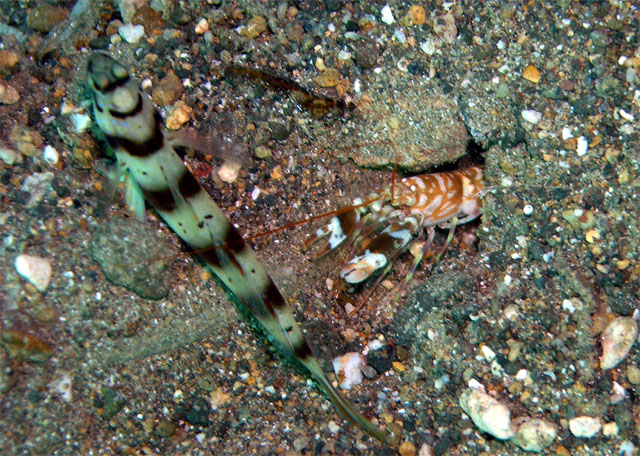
point(487, 414)
point(35, 269)
point(584, 426)
point(616, 340)
point(131, 33)
point(533, 434)
point(531, 116)
point(228, 172)
point(387, 15)
point(582, 146)
point(348, 368)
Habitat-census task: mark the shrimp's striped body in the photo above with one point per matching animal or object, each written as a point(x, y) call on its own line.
point(386, 226)
point(154, 172)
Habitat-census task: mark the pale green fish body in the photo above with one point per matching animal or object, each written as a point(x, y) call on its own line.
point(133, 129)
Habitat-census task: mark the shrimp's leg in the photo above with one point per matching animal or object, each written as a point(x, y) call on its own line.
point(431, 233)
point(452, 229)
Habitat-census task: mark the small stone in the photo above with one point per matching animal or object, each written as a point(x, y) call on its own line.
point(348, 369)
point(531, 74)
point(328, 78)
point(534, 434)
point(10, 156)
point(633, 375)
point(45, 16)
point(531, 116)
point(228, 172)
point(584, 426)
point(487, 414)
point(616, 341)
point(301, 443)
point(168, 90)
point(179, 115)
point(36, 270)
point(610, 429)
point(50, 155)
point(202, 26)
point(8, 94)
point(8, 59)
point(416, 16)
point(24, 346)
point(255, 27)
point(582, 146)
point(262, 152)
point(131, 33)
point(407, 448)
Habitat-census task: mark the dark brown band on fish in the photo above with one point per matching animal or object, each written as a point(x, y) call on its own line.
point(135, 149)
point(134, 112)
point(188, 185)
point(273, 298)
point(302, 351)
point(211, 257)
point(162, 200)
point(234, 240)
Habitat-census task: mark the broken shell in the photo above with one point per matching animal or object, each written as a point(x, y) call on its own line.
point(533, 434)
point(487, 414)
point(531, 74)
point(616, 340)
point(348, 368)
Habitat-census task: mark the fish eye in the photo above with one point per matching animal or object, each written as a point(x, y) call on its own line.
point(119, 71)
point(100, 81)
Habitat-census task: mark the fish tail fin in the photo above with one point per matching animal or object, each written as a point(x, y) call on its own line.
point(342, 405)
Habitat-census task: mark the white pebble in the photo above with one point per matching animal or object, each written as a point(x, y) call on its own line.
point(627, 448)
point(487, 414)
point(228, 172)
point(35, 269)
point(62, 386)
point(610, 429)
point(584, 426)
point(527, 209)
point(567, 305)
point(50, 155)
point(488, 354)
point(531, 116)
point(566, 133)
point(10, 156)
point(131, 33)
point(387, 15)
point(255, 193)
point(618, 393)
point(399, 36)
point(348, 368)
point(202, 26)
point(625, 115)
point(428, 47)
point(81, 122)
point(616, 341)
point(534, 434)
point(582, 147)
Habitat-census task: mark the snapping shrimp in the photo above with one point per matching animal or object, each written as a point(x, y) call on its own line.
point(396, 217)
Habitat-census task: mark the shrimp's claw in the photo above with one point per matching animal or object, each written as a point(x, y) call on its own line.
point(334, 233)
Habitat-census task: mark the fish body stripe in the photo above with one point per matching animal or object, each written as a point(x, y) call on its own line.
point(133, 128)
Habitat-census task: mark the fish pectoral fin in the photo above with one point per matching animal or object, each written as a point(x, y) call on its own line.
point(133, 197)
point(217, 147)
point(110, 176)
